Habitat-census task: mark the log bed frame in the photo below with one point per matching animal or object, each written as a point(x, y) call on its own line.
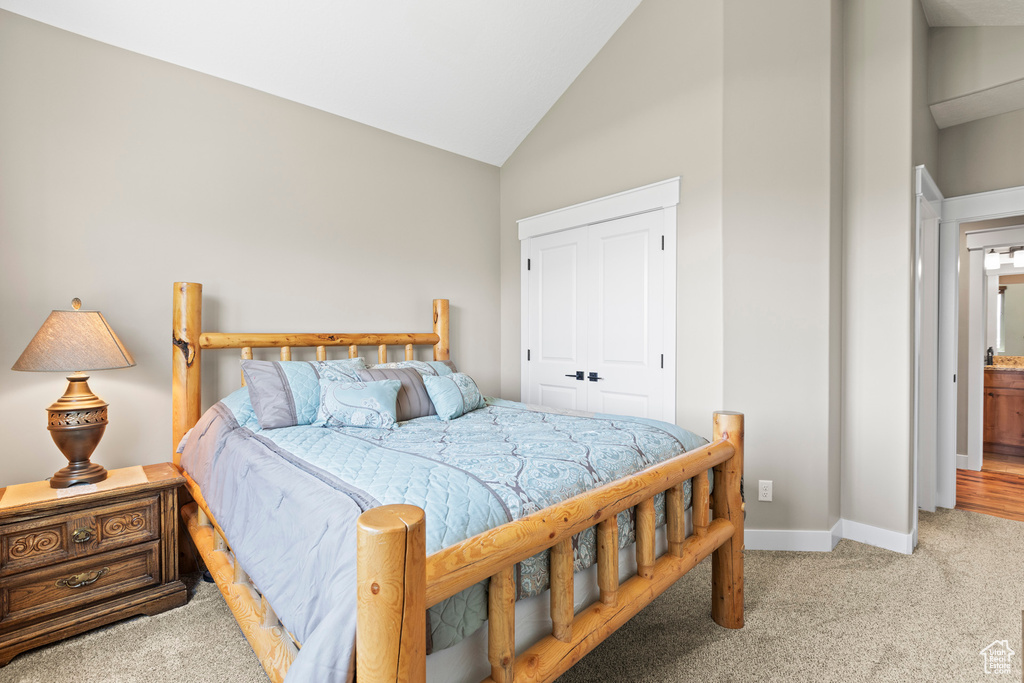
point(397, 581)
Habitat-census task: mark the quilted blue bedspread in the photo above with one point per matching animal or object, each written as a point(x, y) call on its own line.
point(288, 499)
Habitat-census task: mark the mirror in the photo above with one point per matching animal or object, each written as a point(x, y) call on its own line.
point(1011, 321)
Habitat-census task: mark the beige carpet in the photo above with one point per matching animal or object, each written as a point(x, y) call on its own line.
point(855, 614)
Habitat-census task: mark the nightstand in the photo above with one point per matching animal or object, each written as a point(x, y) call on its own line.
point(77, 558)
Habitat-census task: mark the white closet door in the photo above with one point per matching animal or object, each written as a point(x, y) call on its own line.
point(558, 320)
point(625, 317)
point(596, 316)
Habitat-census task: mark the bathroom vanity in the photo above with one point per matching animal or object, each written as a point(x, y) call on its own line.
point(1004, 406)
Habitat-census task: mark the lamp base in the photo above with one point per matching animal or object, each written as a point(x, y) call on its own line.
point(74, 474)
point(77, 422)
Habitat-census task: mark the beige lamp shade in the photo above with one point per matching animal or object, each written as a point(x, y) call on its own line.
point(74, 341)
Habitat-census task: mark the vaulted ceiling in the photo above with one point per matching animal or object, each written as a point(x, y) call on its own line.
point(466, 76)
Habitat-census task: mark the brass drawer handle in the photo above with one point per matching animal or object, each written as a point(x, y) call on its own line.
point(81, 580)
point(82, 536)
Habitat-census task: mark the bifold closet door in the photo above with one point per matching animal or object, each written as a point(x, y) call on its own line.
point(596, 316)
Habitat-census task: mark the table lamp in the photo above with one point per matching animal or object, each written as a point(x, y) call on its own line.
point(75, 341)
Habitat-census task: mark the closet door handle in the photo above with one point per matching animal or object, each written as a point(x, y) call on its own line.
point(593, 377)
point(578, 375)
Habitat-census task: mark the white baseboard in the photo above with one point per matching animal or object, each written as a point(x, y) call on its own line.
point(878, 537)
point(824, 541)
point(795, 539)
point(961, 462)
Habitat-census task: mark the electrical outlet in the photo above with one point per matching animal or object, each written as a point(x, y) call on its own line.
point(764, 490)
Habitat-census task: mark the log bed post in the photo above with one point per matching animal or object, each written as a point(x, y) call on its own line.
point(185, 381)
point(391, 590)
point(727, 560)
point(441, 329)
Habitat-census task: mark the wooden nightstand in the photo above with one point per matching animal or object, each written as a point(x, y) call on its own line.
point(74, 559)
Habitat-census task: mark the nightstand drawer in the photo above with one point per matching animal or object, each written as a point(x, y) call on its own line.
point(59, 538)
point(69, 585)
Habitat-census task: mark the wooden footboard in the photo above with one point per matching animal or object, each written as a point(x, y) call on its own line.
point(397, 582)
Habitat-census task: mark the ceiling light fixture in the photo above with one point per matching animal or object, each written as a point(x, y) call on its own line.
point(991, 260)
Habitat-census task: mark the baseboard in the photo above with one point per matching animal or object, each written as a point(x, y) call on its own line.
point(878, 537)
point(792, 539)
point(961, 462)
point(824, 541)
point(837, 533)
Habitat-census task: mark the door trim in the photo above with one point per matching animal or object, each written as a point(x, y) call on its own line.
point(662, 196)
point(966, 209)
point(932, 451)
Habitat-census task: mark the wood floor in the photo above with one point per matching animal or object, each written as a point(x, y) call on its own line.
point(998, 489)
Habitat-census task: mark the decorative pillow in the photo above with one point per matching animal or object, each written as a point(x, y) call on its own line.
point(287, 393)
point(413, 400)
point(427, 368)
point(454, 395)
point(358, 404)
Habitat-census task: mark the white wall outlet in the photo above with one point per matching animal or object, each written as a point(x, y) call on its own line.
point(764, 490)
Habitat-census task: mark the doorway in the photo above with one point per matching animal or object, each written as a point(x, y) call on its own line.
point(973, 321)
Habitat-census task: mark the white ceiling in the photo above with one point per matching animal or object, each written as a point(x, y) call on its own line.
point(993, 101)
point(469, 76)
point(974, 12)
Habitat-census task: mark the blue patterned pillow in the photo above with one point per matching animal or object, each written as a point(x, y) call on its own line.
point(287, 393)
point(453, 395)
point(358, 404)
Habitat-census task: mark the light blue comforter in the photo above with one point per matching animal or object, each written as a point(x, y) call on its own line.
point(288, 500)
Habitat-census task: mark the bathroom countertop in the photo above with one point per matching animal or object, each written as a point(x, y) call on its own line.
point(1007, 363)
point(1011, 368)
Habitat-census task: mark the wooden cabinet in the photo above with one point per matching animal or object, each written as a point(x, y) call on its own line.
point(1004, 411)
point(74, 559)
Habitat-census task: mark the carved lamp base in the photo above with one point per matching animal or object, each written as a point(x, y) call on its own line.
point(77, 422)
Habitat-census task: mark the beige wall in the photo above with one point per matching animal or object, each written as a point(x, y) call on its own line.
point(926, 132)
point(877, 330)
point(647, 108)
point(120, 174)
point(966, 59)
point(982, 155)
point(768, 133)
point(757, 139)
point(781, 186)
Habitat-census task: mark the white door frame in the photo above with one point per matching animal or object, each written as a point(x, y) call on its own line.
point(933, 451)
point(661, 196)
point(968, 209)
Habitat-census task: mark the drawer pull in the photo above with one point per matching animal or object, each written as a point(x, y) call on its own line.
point(82, 536)
point(82, 580)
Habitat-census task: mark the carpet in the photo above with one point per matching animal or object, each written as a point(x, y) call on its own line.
point(856, 614)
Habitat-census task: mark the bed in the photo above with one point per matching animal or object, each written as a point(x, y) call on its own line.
point(480, 570)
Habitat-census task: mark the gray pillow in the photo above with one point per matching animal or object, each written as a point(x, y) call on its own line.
point(427, 368)
point(413, 399)
point(287, 393)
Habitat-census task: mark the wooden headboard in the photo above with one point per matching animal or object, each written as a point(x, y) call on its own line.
point(189, 341)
